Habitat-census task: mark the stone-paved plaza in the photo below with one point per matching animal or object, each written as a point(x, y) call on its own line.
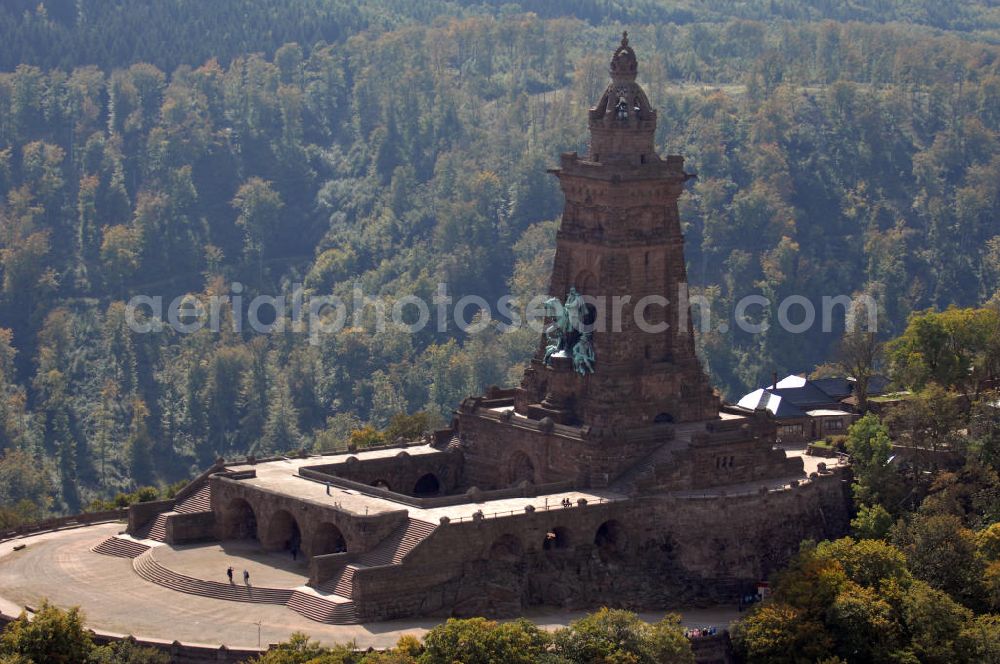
point(61, 567)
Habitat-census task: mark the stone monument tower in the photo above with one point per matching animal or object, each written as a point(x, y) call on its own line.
point(611, 476)
point(620, 246)
point(615, 376)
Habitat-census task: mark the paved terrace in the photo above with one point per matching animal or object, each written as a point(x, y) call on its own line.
point(282, 477)
point(61, 567)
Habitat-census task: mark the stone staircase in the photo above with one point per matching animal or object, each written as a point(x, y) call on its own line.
point(148, 568)
point(390, 551)
point(321, 609)
point(305, 601)
point(645, 468)
point(120, 548)
point(154, 529)
point(198, 501)
point(331, 602)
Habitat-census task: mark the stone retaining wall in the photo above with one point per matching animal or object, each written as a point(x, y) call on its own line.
point(62, 522)
point(399, 473)
point(473, 494)
point(650, 553)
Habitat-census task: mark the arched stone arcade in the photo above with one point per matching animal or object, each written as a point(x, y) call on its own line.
point(427, 485)
point(557, 538)
point(327, 538)
point(281, 532)
point(239, 520)
point(610, 539)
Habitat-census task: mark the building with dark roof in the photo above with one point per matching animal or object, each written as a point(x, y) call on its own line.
point(808, 409)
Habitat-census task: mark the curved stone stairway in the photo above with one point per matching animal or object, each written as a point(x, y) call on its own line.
point(389, 551)
point(331, 602)
point(120, 547)
point(301, 600)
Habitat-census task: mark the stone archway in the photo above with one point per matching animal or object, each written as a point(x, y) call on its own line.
point(663, 418)
point(610, 539)
point(557, 538)
point(328, 539)
point(427, 485)
point(519, 468)
point(283, 533)
point(239, 521)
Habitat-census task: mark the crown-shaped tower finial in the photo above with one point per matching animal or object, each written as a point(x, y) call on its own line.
point(624, 65)
point(623, 122)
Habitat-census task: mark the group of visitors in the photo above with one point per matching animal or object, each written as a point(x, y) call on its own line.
point(699, 632)
point(246, 576)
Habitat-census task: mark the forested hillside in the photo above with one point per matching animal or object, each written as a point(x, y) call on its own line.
point(171, 148)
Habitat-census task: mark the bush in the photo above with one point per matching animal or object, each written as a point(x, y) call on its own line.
point(59, 637)
point(127, 652)
point(612, 635)
point(53, 635)
point(481, 641)
point(871, 522)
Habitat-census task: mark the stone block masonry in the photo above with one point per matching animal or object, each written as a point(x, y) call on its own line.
point(629, 486)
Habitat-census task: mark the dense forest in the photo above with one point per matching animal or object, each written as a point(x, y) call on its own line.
point(176, 148)
point(918, 579)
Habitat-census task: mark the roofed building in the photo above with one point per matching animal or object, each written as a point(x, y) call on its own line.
point(806, 409)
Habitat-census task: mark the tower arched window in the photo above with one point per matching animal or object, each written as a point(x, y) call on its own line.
point(621, 109)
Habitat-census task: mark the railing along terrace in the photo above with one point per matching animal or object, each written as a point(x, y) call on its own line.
point(430, 502)
point(62, 522)
point(544, 508)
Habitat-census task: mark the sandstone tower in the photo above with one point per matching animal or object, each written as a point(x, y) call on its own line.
point(621, 238)
point(611, 476)
point(620, 246)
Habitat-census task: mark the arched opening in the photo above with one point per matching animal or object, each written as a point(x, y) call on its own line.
point(283, 533)
point(663, 418)
point(427, 485)
point(556, 538)
point(507, 549)
point(520, 468)
point(610, 535)
point(381, 484)
point(328, 539)
point(239, 520)
point(609, 539)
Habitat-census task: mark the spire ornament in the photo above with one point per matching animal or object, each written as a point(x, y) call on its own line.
point(624, 65)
